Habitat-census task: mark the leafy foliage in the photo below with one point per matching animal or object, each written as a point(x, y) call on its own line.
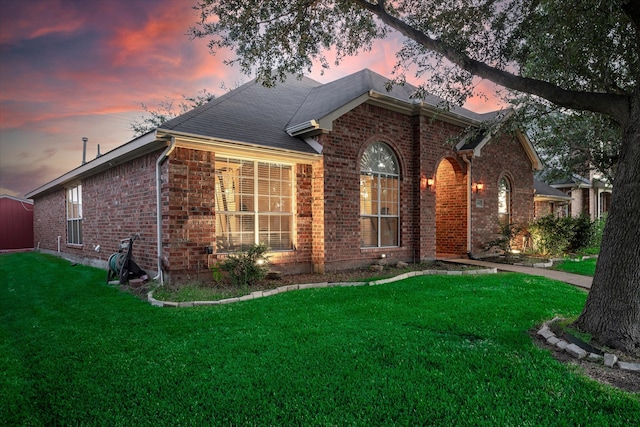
point(575, 143)
point(588, 47)
point(556, 236)
point(167, 110)
point(244, 268)
point(507, 235)
point(281, 37)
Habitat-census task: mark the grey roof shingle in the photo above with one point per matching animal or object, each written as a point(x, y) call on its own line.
point(258, 115)
point(329, 97)
point(543, 189)
point(251, 114)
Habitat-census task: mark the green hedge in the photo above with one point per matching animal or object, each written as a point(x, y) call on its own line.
point(557, 236)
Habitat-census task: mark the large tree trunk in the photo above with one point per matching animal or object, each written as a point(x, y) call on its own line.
point(612, 312)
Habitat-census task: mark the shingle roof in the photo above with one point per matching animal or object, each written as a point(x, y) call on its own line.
point(543, 189)
point(251, 114)
point(329, 97)
point(258, 115)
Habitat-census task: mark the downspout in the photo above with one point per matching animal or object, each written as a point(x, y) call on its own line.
point(468, 162)
point(159, 163)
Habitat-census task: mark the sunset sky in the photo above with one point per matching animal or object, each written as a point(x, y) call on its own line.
point(81, 68)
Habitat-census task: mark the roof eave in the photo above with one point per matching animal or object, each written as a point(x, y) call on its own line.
point(303, 128)
point(325, 123)
point(134, 148)
point(548, 198)
point(201, 142)
point(536, 163)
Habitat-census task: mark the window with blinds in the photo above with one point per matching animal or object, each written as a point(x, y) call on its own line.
point(379, 197)
point(254, 204)
point(504, 201)
point(74, 215)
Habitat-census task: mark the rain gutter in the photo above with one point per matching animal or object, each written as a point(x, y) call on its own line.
point(165, 154)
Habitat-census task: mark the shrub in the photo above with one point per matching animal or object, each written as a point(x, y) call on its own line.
point(556, 236)
point(507, 236)
point(598, 228)
point(244, 268)
point(581, 237)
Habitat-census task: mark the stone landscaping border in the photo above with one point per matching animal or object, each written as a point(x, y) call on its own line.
point(609, 360)
point(287, 288)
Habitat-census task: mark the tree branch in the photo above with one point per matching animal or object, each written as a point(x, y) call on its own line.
point(614, 105)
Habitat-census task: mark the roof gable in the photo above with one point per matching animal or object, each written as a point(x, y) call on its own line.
point(496, 120)
point(326, 103)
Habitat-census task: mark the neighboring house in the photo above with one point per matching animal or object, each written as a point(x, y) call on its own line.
point(330, 176)
point(589, 196)
point(549, 201)
point(16, 223)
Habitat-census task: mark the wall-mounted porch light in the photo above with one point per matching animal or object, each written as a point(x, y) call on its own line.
point(426, 183)
point(478, 187)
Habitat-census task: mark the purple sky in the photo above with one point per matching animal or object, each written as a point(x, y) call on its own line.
point(76, 68)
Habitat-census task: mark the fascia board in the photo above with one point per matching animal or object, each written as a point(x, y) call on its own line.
point(420, 107)
point(16, 199)
point(135, 148)
point(547, 198)
point(325, 123)
point(238, 149)
point(531, 152)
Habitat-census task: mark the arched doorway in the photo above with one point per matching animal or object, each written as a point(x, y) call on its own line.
point(451, 209)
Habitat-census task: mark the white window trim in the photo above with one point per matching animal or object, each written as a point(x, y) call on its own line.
point(256, 195)
point(73, 220)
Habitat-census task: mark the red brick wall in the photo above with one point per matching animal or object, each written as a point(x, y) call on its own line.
point(451, 208)
point(118, 203)
point(50, 221)
point(189, 217)
point(342, 148)
point(542, 209)
point(419, 143)
point(506, 158)
point(115, 204)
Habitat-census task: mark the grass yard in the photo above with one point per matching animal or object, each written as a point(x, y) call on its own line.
point(430, 350)
point(586, 267)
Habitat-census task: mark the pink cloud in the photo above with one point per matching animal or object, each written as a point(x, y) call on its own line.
point(37, 19)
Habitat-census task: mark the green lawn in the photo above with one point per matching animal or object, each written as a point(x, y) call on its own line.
point(586, 267)
point(431, 350)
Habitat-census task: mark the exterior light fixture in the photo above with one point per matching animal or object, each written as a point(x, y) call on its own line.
point(478, 187)
point(426, 183)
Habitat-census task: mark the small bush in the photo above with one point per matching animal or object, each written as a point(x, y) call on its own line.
point(557, 236)
point(581, 237)
point(508, 233)
point(598, 228)
point(244, 268)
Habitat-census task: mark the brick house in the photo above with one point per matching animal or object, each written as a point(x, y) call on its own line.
point(329, 176)
point(549, 201)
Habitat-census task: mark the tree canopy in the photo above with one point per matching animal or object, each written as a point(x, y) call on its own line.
point(566, 55)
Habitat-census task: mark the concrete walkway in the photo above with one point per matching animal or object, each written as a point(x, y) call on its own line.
point(572, 279)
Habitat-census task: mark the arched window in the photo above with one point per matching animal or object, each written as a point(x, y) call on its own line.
point(504, 201)
point(379, 197)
